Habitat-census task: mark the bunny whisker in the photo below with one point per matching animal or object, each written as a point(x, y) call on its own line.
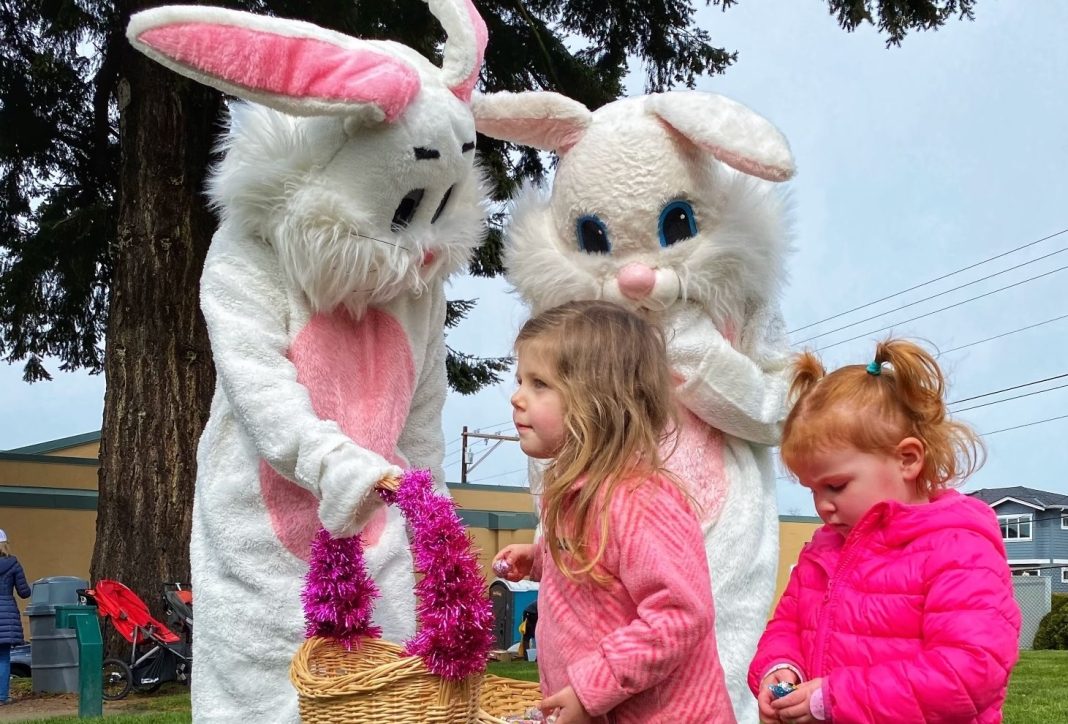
point(383, 241)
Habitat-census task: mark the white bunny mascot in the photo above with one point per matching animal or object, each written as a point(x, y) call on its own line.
point(323, 295)
point(655, 206)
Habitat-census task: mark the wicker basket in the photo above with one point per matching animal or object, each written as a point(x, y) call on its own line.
point(501, 697)
point(376, 684)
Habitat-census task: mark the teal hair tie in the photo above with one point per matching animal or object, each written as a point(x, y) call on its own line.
point(874, 368)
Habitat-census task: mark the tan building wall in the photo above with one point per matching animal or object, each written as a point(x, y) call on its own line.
point(48, 508)
point(794, 533)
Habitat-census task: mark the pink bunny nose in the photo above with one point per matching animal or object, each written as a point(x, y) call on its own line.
point(636, 280)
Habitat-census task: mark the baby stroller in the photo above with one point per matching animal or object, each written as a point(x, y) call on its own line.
point(178, 605)
point(157, 654)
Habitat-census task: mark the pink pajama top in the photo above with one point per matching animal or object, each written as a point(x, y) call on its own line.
point(642, 648)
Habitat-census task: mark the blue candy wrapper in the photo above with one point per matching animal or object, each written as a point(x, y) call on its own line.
point(781, 689)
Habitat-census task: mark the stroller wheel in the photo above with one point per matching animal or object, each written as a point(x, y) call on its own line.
point(117, 681)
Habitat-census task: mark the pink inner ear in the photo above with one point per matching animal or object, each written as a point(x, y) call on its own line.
point(463, 91)
point(551, 134)
point(749, 166)
point(286, 66)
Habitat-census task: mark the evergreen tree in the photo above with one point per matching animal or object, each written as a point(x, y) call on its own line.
point(104, 227)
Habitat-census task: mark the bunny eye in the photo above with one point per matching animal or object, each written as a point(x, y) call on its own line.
point(677, 223)
point(406, 209)
point(592, 235)
point(444, 202)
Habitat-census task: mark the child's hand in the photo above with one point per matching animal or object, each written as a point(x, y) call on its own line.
point(566, 704)
point(764, 698)
point(795, 707)
point(519, 558)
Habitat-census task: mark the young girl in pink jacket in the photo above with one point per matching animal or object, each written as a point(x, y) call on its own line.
point(625, 613)
point(900, 608)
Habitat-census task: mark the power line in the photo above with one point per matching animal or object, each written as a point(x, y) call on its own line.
point(1026, 424)
point(951, 306)
point(485, 428)
point(931, 281)
point(498, 475)
point(1003, 334)
point(1008, 389)
point(933, 296)
point(1007, 399)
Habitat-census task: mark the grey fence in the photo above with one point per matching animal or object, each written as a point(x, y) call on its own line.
point(1033, 597)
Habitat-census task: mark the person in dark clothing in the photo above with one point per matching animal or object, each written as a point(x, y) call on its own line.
point(530, 616)
point(12, 580)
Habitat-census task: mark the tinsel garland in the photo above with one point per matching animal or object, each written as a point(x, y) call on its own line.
point(453, 613)
point(338, 592)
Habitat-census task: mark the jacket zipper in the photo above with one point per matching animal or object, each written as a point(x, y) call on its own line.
point(830, 598)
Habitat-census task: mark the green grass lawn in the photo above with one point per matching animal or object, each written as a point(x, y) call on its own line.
point(1036, 694)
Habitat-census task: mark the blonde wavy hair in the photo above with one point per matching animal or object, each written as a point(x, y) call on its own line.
point(903, 395)
point(611, 371)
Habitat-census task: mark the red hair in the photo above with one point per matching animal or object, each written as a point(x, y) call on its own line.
point(873, 408)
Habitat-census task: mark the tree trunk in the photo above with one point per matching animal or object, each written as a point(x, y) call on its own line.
point(158, 365)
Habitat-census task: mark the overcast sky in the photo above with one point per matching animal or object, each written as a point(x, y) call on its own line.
point(913, 162)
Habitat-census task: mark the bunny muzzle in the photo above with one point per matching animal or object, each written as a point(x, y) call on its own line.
point(640, 286)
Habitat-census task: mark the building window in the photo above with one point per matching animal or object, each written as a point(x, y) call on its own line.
point(1026, 572)
point(1064, 521)
point(1015, 527)
point(1064, 575)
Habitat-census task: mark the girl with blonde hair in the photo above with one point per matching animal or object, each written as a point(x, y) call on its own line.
point(625, 612)
point(901, 607)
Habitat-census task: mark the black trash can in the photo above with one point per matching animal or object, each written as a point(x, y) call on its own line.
point(53, 652)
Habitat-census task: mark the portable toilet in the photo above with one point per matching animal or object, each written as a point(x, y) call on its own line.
point(510, 599)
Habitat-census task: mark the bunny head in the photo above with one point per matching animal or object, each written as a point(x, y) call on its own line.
point(353, 159)
point(656, 199)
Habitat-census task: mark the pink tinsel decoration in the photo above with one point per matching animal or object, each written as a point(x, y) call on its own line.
point(338, 592)
point(454, 614)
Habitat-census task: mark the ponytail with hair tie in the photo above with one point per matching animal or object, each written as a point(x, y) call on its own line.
point(808, 371)
point(908, 401)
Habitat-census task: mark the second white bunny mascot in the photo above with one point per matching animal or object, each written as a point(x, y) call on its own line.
point(660, 203)
point(323, 295)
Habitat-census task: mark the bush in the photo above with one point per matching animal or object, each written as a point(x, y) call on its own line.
point(1053, 629)
point(1057, 600)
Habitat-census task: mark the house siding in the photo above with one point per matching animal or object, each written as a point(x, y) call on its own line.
point(1048, 544)
point(1058, 538)
point(1024, 550)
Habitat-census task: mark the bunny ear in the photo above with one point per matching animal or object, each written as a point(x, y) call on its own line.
point(465, 44)
point(544, 120)
point(728, 130)
point(289, 65)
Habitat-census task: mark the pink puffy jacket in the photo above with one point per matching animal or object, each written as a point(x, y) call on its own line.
point(911, 618)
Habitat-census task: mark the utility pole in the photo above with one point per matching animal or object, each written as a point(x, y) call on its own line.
point(464, 467)
point(463, 456)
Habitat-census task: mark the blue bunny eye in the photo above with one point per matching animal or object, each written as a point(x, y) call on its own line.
point(677, 222)
point(592, 235)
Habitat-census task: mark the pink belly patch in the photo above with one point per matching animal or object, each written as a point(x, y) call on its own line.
point(698, 462)
point(362, 376)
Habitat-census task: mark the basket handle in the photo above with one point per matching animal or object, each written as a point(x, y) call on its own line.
point(388, 484)
point(453, 611)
